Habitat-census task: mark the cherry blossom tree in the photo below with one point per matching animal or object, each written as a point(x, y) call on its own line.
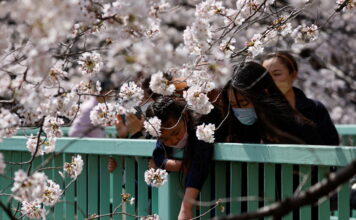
point(53, 53)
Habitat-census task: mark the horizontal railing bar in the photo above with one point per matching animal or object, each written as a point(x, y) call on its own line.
point(341, 129)
point(346, 129)
point(262, 153)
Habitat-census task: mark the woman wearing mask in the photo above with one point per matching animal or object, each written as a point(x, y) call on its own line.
point(284, 69)
point(259, 113)
point(178, 132)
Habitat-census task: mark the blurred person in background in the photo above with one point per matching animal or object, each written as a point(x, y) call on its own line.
point(284, 70)
point(82, 126)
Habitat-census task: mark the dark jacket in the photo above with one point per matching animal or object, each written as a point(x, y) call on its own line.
point(198, 168)
point(197, 154)
point(317, 113)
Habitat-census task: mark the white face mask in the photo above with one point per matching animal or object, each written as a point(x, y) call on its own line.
point(182, 143)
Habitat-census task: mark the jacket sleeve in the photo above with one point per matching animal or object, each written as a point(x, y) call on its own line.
point(159, 155)
point(326, 127)
point(200, 165)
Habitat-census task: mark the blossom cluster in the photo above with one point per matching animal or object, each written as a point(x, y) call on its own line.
point(103, 114)
point(161, 85)
point(130, 95)
point(90, 63)
point(40, 145)
point(75, 167)
point(153, 126)
point(206, 132)
point(9, 123)
point(28, 188)
point(156, 177)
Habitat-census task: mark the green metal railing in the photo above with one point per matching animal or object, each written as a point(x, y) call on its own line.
point(239, 171)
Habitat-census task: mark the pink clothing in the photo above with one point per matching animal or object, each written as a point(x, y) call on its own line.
point(82, 126)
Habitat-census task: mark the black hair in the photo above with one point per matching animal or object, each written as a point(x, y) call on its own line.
point(276, 117)
point(285, 58)
point(166, 109)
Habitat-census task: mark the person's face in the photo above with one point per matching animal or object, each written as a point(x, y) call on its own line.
point(172, 136)
point(278, 71)
point(238, 101)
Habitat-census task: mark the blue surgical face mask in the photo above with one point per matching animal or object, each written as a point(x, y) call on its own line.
point(246, 116)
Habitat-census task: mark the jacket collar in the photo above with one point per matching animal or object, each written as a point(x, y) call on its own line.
point(301, 100)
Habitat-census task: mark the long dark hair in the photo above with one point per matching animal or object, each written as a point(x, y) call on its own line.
point(276, 117)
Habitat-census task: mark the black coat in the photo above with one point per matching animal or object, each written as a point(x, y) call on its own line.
point(317, 113)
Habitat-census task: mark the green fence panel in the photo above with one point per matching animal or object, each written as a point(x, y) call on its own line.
point(305, 183)
point(90, 189)
point(220, 186)
point(93, 185)
point(287, 185)
point(117, 187)
point(324, 207)
point(205, 197)
point(142, 197)
point(69, 196)
point(59, 207)
point(5, 183)
point(252, 186)
point(50, 174)
point(130, 184)
point(269, 184)
point(16, 158)
point(344, 202)
point(155, 200)
point(235, 187)
point(104, 187)
point(82, 190)
point(170, 197)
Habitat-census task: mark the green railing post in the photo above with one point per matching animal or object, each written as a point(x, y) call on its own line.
point(170, 197)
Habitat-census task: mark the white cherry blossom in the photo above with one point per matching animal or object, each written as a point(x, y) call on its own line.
point(90, 63)
point(206, 132)
point(29, 188)
point(75, 167)
point(51, 194)
point(197, 100)
point(130, 96)
point(161, 85)
point(33, 210)
point(103, 114)
point(156, 177)
point(153, 126)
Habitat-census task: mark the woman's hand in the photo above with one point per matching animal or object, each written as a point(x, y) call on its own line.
point(190, 196)
point(185, 214)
